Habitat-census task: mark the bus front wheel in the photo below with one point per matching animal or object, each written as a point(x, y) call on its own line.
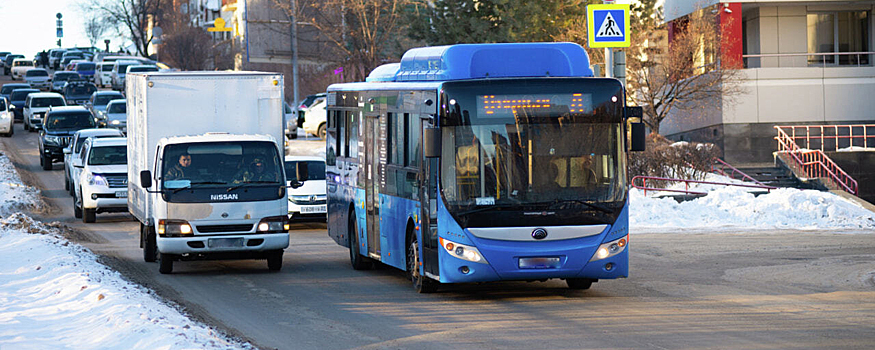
point(421, 283)
point(579, 283)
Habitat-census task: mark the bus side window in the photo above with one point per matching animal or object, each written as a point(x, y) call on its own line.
point(352, 134)
point(414, 146)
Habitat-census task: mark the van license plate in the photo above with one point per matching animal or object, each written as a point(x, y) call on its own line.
point(121, 194)
point(225, 242)
point(314, 209)
point(539, 263)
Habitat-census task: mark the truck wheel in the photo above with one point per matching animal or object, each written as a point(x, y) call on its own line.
point(321, 131)
point(421, 283)
point(89, 215)
point(275, 260)
point(45, 162)
point(579, 283)
point(165, 265)
point(150, 246)
point(357, 260)
point(77, 208)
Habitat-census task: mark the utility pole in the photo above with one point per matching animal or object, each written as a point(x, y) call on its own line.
point(293, 23)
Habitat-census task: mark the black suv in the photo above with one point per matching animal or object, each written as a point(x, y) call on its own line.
point(77, 92)
point(59, 126)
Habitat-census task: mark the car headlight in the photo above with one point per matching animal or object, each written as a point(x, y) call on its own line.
point(55, 140)
point(97, 180)
point(115, 122)
point(174, 228)
point(12, 107)
point(273, 224)
point(463, 252)
point(607, 250)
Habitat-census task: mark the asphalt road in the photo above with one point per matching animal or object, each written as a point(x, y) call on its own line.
point(692, 290)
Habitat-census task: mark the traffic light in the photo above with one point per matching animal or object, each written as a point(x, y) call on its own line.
point(59, 42)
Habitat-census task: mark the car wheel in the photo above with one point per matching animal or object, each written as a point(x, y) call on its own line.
point(77, 208)
point(66, 184)
point(165, 265)
point(293, 136)
point(25, 126)
point(46, 162)
point(150, 246)
point(89, 215)
point(321, 131)
point(275, 260)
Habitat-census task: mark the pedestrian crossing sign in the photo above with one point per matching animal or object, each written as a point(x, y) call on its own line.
point(608, 25)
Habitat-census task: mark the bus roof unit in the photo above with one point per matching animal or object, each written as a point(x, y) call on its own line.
point(474, 61)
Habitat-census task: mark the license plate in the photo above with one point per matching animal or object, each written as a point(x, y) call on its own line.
point(121, 194)
point(314, 209)
point(225, 242)
point(539, 263)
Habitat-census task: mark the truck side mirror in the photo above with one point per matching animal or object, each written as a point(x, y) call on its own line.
point(145, 179)
point(638, 141)
point(431, 142)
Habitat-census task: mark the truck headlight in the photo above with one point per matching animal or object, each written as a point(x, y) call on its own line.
point(463, 252)
point(274, 224)
point(607, 250)
point(174, 228)
point(97, 180)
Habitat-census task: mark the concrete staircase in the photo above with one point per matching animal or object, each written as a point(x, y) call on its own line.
point(778, 175)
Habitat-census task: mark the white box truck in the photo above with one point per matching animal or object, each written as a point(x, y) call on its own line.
point(205, 166)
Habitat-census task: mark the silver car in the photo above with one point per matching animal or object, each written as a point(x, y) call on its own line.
point(116, 115)
point(38, 78)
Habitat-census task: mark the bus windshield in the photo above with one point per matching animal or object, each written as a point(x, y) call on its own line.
point(532, 146)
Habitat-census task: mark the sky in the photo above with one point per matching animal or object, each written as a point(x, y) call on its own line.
point(28, 26)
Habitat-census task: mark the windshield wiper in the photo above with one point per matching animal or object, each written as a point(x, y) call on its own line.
point(249, 183)
point(198, 183)
point(591, 205)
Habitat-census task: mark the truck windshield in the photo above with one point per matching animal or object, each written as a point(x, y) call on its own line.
point(533, 146)
point(242, 170)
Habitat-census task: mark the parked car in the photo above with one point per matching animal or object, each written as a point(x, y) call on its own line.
point(72, 151)
point(78, 92)
point(291, 121)
point(7, 88)
point(117, 115)
point(314, 118)
point(20, 66)
point(59, 126)
point(119, 69)
point(7, 62)
point(99, 100)
point(36, 105)
point(60, 78)
point(103, 74)
point(38, 78)
point(102, 184)
point(16, 101)
point(6, 118)
point(309, 200)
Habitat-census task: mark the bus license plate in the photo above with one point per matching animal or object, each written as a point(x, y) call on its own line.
point(539, 263)
point(225, 242)
point(314, 209)
point(121, 194)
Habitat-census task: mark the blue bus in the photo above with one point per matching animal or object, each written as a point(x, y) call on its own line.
point(483, 162)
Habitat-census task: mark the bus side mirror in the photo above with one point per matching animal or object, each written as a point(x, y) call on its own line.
point(638, 137)
point(302, 172)
point(431, 142)
point(145, 179)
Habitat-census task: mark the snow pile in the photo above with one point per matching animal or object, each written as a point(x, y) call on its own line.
point(735, 207)
point(55, 295)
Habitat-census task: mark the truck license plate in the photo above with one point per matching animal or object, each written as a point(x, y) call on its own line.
point(314, 209)
point(225, 242)
point(121, 194)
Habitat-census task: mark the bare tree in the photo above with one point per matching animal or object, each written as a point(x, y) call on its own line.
point(132, 17)
point(94, 29)
point(685, 74)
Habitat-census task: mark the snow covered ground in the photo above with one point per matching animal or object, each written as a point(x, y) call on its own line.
point(55, 295)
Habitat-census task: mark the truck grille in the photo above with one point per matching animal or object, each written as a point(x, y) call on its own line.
point(224, 228)
point(116, 180)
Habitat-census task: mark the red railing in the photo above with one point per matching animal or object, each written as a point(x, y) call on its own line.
point(722, 167)
point(643, 186)
point(830, 137)
point(813, 163)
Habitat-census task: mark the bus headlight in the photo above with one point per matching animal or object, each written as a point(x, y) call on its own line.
point(174, 228)
point(463, 252)
point(274, 224)
point(607, 250)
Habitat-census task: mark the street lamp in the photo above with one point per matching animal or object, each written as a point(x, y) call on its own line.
point(106, 42)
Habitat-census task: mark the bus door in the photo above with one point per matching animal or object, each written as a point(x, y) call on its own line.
point(372, 182)
point(428, 226)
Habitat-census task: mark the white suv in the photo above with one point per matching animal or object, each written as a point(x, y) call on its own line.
point(314, 118)
point(102, 185)
point(73, 150)
point(309, 201)
point(36, 105)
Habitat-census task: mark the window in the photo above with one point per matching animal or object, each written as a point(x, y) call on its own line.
point(838, 32)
